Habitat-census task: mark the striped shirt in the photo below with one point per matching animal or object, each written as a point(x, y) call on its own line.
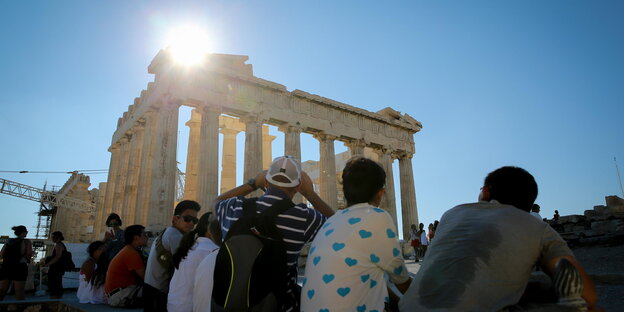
point(298, 224)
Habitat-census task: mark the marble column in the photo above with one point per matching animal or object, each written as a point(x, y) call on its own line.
point(120, 181)
point(107, 204)
point(192, 156)
point(144, 184)
point(328, 187)
point(388, 202)
point(292, 147)
point(253, 147)
point(164, 169)
point(136, 144)
point(356, 147)
point(408, 194)
point(208, 176)
point(228, 160)
point(267, 147)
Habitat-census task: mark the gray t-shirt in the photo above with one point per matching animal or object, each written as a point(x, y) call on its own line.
point(155, 275)
point(481, 259)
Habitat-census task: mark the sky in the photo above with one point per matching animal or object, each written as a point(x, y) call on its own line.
point(535, 84)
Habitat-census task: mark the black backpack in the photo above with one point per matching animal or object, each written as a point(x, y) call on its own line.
point(67, 261)
point(251, 271)
point(13, 251)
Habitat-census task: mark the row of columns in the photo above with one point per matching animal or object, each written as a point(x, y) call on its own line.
point(142, 174)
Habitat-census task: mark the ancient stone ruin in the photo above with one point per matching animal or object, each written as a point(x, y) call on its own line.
point(603, 223)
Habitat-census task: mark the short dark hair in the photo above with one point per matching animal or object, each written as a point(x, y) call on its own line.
point(18, 230)
point(113, 216)
point(58, 234)
point(132, 231)
point(184, 205)
point(94, 246)
point(512, 186)
point(362, 178)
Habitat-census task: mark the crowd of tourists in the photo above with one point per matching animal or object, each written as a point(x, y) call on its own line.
point(243, 254)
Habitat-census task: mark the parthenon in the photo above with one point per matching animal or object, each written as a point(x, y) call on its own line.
point(227, 98)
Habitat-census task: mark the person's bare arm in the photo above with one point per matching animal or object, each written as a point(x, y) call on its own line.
point(58, 251)
point(28, 253)
point(404, 286)
point(140, 273)
point(87, 268)
point(242, 190)
point(307, 190)
point(589, 289)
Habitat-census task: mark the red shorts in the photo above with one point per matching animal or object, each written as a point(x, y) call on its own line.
point(415, 243)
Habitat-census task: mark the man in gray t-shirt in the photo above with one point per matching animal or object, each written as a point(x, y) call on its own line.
point(483, 253)
point(157, 277)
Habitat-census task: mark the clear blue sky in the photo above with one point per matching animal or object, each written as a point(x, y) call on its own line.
point(537, 84)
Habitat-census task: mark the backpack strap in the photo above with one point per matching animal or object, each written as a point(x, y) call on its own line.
point(249, 206)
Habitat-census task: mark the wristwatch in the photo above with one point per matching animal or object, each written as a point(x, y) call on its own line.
point(252, 183)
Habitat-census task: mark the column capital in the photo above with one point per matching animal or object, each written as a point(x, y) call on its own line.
point(251, 119)
point(114, 147)
point(384, 150)
point(400, 154)
point(286, 128)
point(356, 143)
point(209, 109)
point(321, 136)
point(228, 131)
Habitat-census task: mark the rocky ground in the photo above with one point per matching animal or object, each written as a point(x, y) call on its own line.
point(605, 264)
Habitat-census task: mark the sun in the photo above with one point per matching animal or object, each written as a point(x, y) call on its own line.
point(188, 44)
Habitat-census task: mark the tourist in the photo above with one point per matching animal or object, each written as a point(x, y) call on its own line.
point(556, 216)
point(203, 280)
point(16, 255)
point(127, 270)
point(535, 211)
point(484, 252)
point(194, 247)
point(355, 249)
point(297, 225)
point(414, 240)
point(87, 291)
point(431, 232)
point(160, 261)
point(114, 236)
point(56, 267)
point(423, 241)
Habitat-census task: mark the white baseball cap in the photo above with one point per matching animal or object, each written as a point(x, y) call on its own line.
point(287, 167)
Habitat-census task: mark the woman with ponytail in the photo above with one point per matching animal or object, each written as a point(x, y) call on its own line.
point(193, 248)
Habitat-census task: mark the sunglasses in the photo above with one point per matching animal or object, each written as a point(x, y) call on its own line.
point(188, 219)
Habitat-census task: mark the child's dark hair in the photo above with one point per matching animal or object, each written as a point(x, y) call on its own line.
point(188, 240)
point(113, 216)
point(362, 178)
point(93, 247)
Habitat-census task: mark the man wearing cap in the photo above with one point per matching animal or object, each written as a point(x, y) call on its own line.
point(298, 224)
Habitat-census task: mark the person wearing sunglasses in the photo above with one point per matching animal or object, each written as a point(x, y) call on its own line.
point(160, 261)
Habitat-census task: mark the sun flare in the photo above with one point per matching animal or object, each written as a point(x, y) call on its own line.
point(188, 44)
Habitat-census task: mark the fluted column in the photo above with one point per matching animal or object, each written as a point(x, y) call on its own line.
point(164, 170)
point(146, 171)
point(292, 147)
point(192, 156)
point(120, 181)
point(408, 194)
point(267, 148)
point(107, 204)
point(329, 187)
point(356, 147)
point(253, 147)
point(208, 176)
point(228, 160)
point(388, 203)
point(129, 201)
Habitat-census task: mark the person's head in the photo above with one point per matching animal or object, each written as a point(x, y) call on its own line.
point(20, 231)
point(511, 186)
point(96, 249)
point(113, 220)
point(430, 226)
point(536, 208)
point(57, 236)
point(413, 226)
point(421, 226)
point(363, 181)
point(214, 228)
point(135, 235)
point(557, 211)
point(189, 238)
point(285, 174)
point(185, 215)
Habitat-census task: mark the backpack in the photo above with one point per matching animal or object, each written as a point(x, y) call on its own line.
point(67, 261)
point(251, 272)
point(164, 256)
point(13, 251)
